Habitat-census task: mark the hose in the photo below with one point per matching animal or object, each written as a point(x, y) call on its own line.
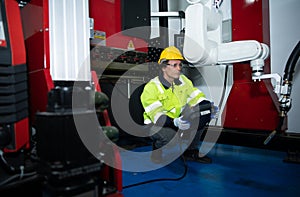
point(161, 179)
point(291, 63)
point(5, 164)
point(284, 100)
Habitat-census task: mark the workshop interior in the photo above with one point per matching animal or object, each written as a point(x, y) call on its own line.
point(72, 72)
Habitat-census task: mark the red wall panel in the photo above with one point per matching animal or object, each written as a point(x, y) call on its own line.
point(251, 105)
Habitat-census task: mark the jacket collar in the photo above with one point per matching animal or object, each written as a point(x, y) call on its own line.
point(165, 83)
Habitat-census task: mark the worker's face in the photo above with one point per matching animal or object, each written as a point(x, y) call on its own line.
point(172, 70)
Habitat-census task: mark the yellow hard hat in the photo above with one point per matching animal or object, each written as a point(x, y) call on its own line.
point(170, 53)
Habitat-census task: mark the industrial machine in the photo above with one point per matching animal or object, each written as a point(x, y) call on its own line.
point(63, 63)
point(248, 51)
point(41, 151)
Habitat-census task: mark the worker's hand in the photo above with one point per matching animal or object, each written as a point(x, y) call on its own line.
point(214, 111)
point(182, 124)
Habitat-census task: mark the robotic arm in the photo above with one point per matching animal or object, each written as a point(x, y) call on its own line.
point(203, 46)
point(203, 39)
point(203, 42)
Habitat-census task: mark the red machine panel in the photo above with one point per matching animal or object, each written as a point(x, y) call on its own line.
point(20, 132)
point(107, 22)
point(35, 25)
point(15, 33)
point(13, 80)
point(36, 32)
point(251, 105)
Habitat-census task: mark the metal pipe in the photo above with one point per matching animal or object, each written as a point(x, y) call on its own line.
point(163, 23)
point(165, 14)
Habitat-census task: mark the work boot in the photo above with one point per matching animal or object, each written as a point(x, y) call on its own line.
point(193, 155)
point(156, 155)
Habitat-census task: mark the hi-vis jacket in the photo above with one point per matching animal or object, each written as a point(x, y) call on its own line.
point(162, 98)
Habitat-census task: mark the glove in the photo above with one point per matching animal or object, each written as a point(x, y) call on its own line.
point(182, 124)
point(214, 111)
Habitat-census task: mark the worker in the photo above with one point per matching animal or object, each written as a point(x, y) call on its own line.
point(166, 99)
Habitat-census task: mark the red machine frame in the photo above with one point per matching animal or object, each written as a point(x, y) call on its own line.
point(18, 57)
point(251, 105)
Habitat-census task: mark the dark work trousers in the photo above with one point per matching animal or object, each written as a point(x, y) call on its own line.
point(166, 134)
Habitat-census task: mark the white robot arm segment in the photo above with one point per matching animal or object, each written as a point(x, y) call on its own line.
point(196, 1)
point(202, 23)
point(203, 39)
point(240, 51)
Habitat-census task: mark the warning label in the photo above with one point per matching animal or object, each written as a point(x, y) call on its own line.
point(99, 38)
point(130, 45)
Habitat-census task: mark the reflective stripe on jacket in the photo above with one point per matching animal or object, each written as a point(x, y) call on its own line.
point(158, 100)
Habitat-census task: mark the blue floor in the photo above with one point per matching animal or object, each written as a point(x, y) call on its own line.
point(235, 171)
